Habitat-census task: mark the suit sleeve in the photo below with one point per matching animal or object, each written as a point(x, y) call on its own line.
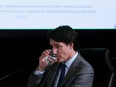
point(34, 80)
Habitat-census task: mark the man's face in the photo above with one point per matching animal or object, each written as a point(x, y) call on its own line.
point(62, 50)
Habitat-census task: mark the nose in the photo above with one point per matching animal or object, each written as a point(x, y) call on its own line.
point(54, 51)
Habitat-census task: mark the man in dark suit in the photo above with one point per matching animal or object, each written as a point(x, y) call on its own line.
point(77, 71)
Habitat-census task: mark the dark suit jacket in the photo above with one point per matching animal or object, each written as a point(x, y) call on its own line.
point(80, 74)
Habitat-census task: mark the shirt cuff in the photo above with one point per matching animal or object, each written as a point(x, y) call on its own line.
point(36, 72)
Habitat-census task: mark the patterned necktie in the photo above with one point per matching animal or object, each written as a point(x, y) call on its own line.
point(62, 74)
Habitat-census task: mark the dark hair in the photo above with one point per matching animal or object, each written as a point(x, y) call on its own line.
point(64, 34)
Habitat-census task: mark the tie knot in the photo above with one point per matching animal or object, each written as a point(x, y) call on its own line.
point(63, 65)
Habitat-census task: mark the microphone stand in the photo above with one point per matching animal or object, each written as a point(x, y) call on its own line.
point(8, 75)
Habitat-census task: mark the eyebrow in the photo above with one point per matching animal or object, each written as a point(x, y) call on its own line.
point(54, 44)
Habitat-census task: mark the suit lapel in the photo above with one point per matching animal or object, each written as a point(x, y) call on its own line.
point(52, 75)
point(72, 70)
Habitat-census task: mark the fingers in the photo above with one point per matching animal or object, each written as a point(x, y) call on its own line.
point(43, 62)
point(46, 59)
point(46, 52)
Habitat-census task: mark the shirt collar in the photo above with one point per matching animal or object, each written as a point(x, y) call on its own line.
point(69, 62)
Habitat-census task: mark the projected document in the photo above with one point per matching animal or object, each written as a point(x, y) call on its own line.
point(48, 14)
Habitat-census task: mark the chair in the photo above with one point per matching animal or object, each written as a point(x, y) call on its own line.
point(104, 72)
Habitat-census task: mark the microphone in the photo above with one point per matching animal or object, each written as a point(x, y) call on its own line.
point(10, 74)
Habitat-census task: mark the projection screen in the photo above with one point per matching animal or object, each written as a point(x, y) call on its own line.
point(48, 14)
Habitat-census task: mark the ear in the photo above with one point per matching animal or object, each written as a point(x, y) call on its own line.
point(71, 45)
